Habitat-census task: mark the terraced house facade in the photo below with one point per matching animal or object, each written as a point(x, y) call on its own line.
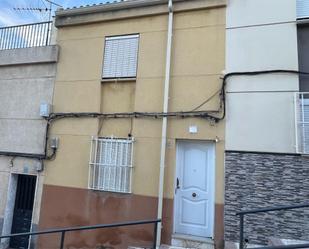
point(137, 111)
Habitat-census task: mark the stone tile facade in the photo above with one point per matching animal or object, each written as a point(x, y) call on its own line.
point(257, 180)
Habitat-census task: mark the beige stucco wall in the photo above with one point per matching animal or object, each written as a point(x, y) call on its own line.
point(197, 61)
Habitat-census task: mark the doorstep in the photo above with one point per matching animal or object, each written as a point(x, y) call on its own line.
point(161, 247)
point(190, 241)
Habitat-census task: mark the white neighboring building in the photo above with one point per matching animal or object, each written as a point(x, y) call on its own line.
point(261, 35)
point(264, 163)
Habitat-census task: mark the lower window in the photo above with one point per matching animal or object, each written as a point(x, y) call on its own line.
point(111, 163)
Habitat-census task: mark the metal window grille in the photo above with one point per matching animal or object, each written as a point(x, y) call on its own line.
point(302, 8)
point(120, 56)
point(302, 122)
point(111, 164)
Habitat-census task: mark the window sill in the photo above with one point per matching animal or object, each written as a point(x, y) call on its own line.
point(115, 80)
point(116, 193)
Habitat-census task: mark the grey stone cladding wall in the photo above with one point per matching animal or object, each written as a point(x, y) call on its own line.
point(255, 180)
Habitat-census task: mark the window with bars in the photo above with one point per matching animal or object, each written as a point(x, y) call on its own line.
point(111, 163)
point(120, 57)
point(302, 122)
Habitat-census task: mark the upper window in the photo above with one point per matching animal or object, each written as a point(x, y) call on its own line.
point(302, 9)
point(120, 57)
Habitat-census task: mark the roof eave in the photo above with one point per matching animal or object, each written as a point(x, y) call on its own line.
point(110, 7)
point(128, 9)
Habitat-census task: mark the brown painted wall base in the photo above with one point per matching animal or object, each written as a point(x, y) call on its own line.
point(63, 207)
point(219, 226)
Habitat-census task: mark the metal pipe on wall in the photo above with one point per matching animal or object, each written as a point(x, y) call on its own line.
point(164, 122)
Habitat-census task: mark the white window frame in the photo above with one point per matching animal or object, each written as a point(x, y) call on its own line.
point(111, 164)
point(114, 67)
point(301, 124)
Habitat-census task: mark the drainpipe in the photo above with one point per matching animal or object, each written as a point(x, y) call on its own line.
point(164, 122)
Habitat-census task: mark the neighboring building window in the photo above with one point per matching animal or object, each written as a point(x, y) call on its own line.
point(302, 9)
point(120, 57)
point(111, 164)
point(302, 122)
point(303, 55)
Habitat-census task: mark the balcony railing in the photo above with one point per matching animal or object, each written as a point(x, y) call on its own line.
point(302, 122)
point(25, 36)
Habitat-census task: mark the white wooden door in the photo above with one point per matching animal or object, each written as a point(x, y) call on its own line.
point(194, 189)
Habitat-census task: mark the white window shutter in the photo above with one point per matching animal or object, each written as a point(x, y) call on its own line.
point(120, 56)
point(302, 8)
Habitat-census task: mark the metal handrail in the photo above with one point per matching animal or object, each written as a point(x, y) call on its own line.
point(264, 210)
point(25, 35)
point(269, 209)
point(294, 246)
point(93, 227)
point(21, 25)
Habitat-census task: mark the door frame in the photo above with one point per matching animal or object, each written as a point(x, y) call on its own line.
point(177, 172)
point(10, 202)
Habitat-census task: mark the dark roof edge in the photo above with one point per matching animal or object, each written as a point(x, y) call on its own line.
point(110, 7)
point(128, 9)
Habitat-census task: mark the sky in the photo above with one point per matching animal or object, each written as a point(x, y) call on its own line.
point(10, 17)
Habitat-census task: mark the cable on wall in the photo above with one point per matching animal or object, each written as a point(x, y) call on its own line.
point(210, 115)
point(250, 73)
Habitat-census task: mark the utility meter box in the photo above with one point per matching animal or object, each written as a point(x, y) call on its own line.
point(54, 143)
point(45, 109)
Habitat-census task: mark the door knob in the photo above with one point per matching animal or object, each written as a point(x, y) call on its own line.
point(177, 185)
point(194, 195)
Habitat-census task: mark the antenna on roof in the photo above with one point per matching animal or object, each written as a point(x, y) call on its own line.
point(53, 3)
point(38, 9)
point(32, 9)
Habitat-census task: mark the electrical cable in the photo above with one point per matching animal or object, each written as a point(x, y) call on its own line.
point(56, 4)
point(43, 3)
point(207, 100)
point(182, 114)
point(131, 128)
point(41, 157)
point(101, 123)
point(250, 73)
